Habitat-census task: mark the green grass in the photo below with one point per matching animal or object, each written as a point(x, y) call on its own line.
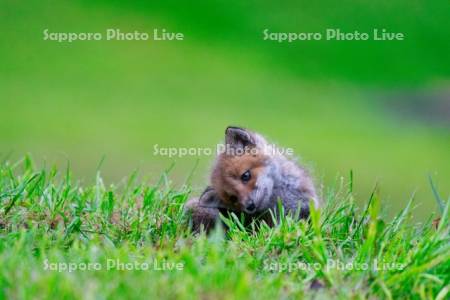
point(46, 217)
point(82, 101)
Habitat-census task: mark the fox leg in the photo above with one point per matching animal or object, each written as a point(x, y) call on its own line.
point(203, 211)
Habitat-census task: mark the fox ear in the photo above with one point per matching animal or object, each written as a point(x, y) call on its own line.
point(240, 138)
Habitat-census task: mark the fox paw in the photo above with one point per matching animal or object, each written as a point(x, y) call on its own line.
point(203, 211)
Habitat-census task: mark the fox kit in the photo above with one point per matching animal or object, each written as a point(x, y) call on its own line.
point(249, 177)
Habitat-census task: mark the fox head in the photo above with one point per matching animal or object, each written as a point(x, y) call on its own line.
point(243, 176)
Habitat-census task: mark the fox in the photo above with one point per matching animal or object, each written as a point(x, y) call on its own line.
point(249, 178)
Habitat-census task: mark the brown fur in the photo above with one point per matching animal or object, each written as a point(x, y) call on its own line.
point(226, 177)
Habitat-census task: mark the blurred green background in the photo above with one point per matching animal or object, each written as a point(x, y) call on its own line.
point(381, 109)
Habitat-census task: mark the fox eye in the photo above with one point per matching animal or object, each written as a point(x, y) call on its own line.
point(233, 199)
point(246, 176)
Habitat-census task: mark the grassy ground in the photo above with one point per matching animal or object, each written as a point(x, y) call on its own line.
point(78, 102)
point(50, 223)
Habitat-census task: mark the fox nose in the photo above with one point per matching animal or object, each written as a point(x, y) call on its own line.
point(250, 208)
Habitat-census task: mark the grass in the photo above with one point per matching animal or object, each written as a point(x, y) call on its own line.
point(85, 100)
point(49, 222)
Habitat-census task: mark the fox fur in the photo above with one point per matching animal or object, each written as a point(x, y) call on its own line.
point(249, 178)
